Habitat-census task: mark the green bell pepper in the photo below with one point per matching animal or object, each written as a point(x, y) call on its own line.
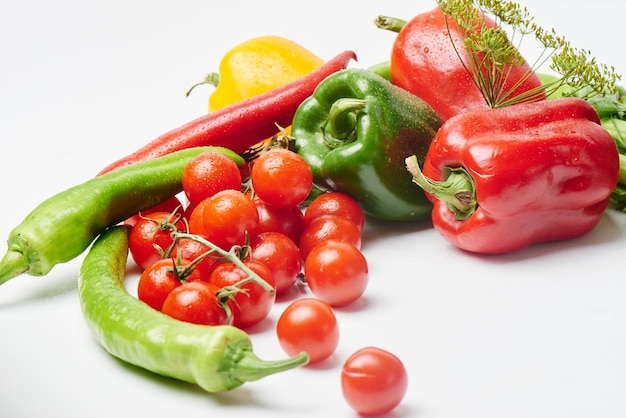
point(355, 132)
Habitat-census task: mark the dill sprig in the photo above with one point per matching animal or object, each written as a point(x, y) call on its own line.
point(492, 51)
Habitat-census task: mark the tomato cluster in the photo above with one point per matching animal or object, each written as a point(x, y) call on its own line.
point(245, 236)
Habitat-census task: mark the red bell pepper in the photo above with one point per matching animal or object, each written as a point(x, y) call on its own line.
point(502, 179)
point(430, 59)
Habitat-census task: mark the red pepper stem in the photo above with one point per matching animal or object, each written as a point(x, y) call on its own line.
point(340, 126)
point(457, 189)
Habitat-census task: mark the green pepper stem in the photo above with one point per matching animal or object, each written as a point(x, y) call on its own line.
point(13, 264)
point(457, 189)
point(340, 126)
point(249, 367)
point(392, 24)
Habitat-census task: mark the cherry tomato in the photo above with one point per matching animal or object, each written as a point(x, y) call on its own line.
point(189, 250)
point(196, 302)
point(336, 203)
point(281, 255)
point(151, 236)
point(159, 279)
point(310, 325)
point(252, 303)
point(209, 173)
point(281, 178)
point(227, 217)
point(289, 221)
point(328, 227)
point(336, 272)
point(373, 381)
point(171, 205)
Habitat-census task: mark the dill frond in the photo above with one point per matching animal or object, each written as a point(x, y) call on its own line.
point(491, 53)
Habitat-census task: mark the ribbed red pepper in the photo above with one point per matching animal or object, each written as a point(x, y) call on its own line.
point(502, 179)
point(241, 125)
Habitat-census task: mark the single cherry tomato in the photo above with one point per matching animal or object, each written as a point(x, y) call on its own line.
point(227, 217)
point(289, 221)
point(373, 381)
point(208, 173)
point(328, 227)
point(196, 302)
point(252, 303)
point(152, 236)
point(309, 325)
point(335, 203)
point(171, 205)
point(281, 255)
point(336, 272)
point(158, 280)
point(281, 178)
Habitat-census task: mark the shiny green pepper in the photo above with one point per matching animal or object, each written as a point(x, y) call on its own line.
point(355, 132)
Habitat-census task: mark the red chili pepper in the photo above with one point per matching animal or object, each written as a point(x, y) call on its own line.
point(502, 179)
point(241, 125)
point(429, 58)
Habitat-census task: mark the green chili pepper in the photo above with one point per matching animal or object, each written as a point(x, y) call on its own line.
point(355, 132)
point(64, 225)
point(217, 358)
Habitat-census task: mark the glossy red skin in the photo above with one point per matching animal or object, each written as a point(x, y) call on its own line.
point(195, 302)
point(227, 217)
point(242, 124)
point(308, 324)
point(281, 178)
point(336, 272)
point(543, 171)
point(209, 173)
point(335, 203)
point(281, 255)
point(373, 381)
point(424, 62)
point(288, 221)
point(328, 227)
point(173, 204)
point(156, 282)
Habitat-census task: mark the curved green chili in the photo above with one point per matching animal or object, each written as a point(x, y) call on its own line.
point(217, 358)
point(64, 225)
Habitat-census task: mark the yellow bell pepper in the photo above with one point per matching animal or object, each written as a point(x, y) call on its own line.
point(256, 66)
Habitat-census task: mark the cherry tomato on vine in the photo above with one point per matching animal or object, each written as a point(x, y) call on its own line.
point(327, 227)
point(252, 303)
point(171, 205)
point(159, 279)
point(151, 236)
point(227, 217)
point(281, 255)
point(335, 203)
point(196, 302)
point(281, 178)
point(208, 173)
point(289, 221)
point(309, 325)
point(373, 381)
point(189, 250)
point(336, 272)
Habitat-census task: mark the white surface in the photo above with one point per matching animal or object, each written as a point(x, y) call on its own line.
point(539, 333)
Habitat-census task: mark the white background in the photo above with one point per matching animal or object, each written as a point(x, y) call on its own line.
point(538, 333)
